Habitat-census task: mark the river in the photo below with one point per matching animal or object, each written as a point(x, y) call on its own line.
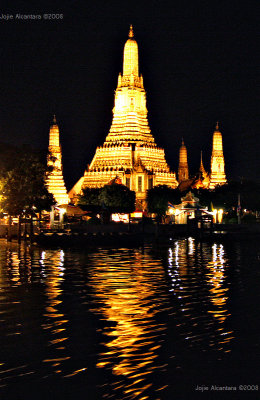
point(159, 322)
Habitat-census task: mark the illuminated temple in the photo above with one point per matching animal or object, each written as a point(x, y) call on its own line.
point(54, 180)
point(130, 155)
point(217, 176)
point(129, 151)
point(203, 179)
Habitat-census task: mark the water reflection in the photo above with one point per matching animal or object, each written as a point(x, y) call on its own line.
point(52, 269)
point(122, 321)
point(15, 271)
point(197, 273)
point(215, 278)
point(126, 285)
point(19, 262)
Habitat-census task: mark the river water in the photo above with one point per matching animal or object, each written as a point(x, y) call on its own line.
point(147, 323)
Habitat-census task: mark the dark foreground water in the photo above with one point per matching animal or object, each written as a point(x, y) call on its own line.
point(149, 323)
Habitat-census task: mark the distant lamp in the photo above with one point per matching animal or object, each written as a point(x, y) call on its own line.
point(214, 213)
point(220, 215)
point(62, 211)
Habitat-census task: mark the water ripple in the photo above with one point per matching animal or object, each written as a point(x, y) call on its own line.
point(126, 323)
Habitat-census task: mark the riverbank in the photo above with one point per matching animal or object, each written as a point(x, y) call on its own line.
point(135, 234)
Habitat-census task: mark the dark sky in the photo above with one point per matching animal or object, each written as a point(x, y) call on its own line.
point(199, 59)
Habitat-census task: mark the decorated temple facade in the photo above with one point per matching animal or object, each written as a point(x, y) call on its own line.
point(54, 179)
point(183, 170)
point(129, 151)
point(217, 176)
point(203, 179)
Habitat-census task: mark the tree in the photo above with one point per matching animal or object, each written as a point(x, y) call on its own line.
point(115, 198)
point(226, 196)
point(158, 198)
point(23, 190)
point(89, 200)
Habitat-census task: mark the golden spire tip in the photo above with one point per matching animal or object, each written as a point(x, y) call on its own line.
point(54, 119)
point(131, 32)
point(217, 126)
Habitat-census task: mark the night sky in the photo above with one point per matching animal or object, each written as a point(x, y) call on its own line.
point(199, 60)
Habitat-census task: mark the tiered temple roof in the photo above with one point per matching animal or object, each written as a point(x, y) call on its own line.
point(54, 180)
point(129, 150)
point(217, 176)
point(183, 171)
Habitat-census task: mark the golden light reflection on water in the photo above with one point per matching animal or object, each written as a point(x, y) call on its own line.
point(215, 278)
point(52, 265)
point(189, 265)
point(142, 300)
point(15, 270)
point(19, 261)
point(125, 288)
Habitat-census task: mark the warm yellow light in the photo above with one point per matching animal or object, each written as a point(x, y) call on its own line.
point(214, 213)
point(118, 156)
point(54, 179)
point(120, 218)
point(218, 176)
point(220, 215)
point(137, 214)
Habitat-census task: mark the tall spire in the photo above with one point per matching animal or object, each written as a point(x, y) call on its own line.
point(217, 176)
point(183, 171)
point(201, 162)
point(54, 136)
point(54, 180)
point(202, 169)
point(204, 176)
point(129, 150)
point(130, 113)
point(131, 32)
point(130, 64)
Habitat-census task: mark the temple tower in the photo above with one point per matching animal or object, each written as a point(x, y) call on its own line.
point(129, 150)
point(183, 171)
point(54, 180)
point(204, 176)
point(217, 176)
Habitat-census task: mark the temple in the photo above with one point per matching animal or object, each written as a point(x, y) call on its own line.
point(217, 176)
point(130, 155)
point(54, 179)
point(203, 179)
point(129, 151)
point(183, 171)
point(204, 176)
